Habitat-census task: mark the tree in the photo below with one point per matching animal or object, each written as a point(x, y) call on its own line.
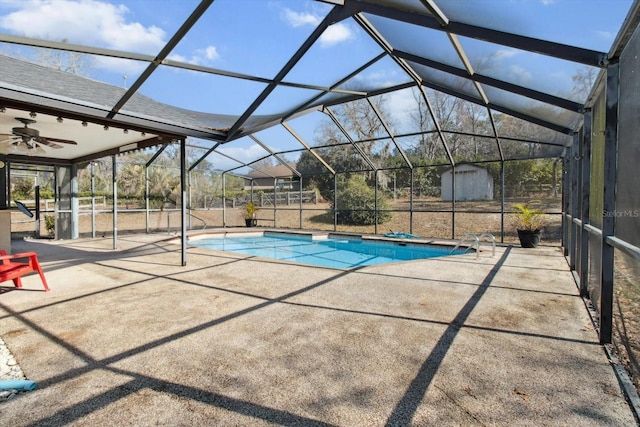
point(101, 180)
point(262, 164)
point(315, 175)
point(426, 144)
point(21, 187)
point(63, 60)
point(583, 82)
point(357, 203)
point(363, 126)
point(164, 185)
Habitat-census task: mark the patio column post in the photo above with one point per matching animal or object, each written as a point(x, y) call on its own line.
point(300, 190)
point(573, 201)
point(565, 204)
point(411, 201)
point(183, 199)
point(502, 197)
point(114, 180)
point(453, 201)
point(36, 191)
point(189, 198)
point(146, 197)
point(93, 199)
point(375, 202)
point(609, 203)
point(75, 202)
point(224, 201)
point(4, 183)
point(335, 202)
point(56, 198)
point(275, 201)
point(585, 188)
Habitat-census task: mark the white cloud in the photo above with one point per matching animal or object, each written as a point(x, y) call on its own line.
point(402, 103)
point(200, 56)
point(94, 23)
point(211, 53)
point(88, 22)
point(520, 74)
point(504, 53)
point(178, 58)
point(299, 19)
point(379, 78)
point(121, 66)
point(335, 34)
point(243, 154)
point(382, 78)
point(547, 2)
point(604, 34)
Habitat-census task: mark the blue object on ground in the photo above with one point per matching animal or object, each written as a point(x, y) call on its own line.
point(17, 385)
point(400, 235)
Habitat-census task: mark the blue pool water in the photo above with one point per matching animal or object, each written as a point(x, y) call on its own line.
point(326, 252)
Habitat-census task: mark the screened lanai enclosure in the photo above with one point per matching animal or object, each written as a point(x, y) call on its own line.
point(429, 117)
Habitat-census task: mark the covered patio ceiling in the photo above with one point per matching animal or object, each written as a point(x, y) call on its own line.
point(501, 58)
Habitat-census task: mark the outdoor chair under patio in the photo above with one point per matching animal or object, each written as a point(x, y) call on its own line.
point(13, 267)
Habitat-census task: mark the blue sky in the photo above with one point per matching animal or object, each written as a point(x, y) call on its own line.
point(257, 37)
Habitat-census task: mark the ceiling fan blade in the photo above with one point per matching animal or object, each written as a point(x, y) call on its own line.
point(62, 141)
point(8, 139)
point(45, 141)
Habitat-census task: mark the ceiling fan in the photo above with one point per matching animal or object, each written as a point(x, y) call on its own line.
point(26, 140)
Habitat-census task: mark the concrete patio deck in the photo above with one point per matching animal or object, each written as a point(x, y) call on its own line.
point(130, 337)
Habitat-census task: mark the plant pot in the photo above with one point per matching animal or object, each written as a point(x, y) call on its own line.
point(529, 238)
point(251, 222)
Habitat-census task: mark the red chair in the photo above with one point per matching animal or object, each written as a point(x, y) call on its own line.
point(13, 267)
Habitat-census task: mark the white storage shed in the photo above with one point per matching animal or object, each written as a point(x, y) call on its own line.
point(472, 183)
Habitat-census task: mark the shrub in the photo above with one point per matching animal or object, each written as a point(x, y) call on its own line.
point(50, 225)
point(357, 203)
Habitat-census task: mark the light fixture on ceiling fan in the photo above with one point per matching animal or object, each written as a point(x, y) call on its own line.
point(26, 146)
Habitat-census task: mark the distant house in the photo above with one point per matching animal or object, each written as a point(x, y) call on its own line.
point(265, 179)
point(472, 183)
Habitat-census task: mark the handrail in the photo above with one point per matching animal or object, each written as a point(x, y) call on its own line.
point(493, 242)
point(204, 224)
point(627, 248)
point(476, 240)
point(464, 238)
point(593, 230)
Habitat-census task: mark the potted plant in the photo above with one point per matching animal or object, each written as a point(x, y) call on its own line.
point(250, 214)
point(528, 222)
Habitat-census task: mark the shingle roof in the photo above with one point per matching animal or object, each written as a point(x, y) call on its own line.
point(280, 171)
point(48, 83)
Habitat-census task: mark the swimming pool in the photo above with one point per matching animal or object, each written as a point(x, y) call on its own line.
point(323, 251)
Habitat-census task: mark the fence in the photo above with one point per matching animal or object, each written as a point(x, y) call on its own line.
point(85, 202)
point(288, 198)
